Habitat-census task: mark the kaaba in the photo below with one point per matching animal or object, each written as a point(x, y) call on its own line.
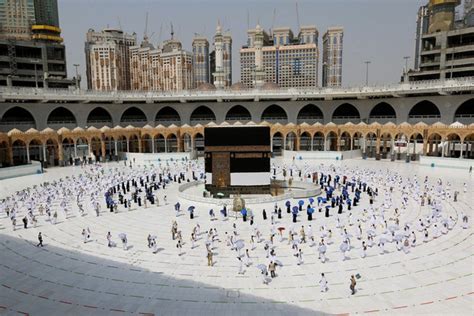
point(237, 160)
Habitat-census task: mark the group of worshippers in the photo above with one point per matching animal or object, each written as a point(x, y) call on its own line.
point(338, 224)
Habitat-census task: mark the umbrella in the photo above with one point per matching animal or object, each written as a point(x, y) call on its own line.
point(249, 213)
point(311, 200)
point(300, 202)
point(220, 194)
point(191, 208)
point(278, 263)
point(311, 210)
point(344, 247)
point(322, 248)
point(393, 228)
point(287, 203)
point(281, 229)
point(122, 236)
point(239, 244)
point(243, 212)
point(295, 209)
point(262, 267)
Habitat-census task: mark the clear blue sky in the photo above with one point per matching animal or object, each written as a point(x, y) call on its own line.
point(381, 31)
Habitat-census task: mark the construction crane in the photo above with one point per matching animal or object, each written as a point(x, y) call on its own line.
point(273, 20)
point(297, 15)
point(145, 36)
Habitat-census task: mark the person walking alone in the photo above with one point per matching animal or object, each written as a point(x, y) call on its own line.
point(40, 239)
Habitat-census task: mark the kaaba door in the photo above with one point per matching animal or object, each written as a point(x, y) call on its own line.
point(221, 169)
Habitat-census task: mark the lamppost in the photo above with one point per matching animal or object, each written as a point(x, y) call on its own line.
point(406, 63)
point(367, 62)
point(77, 75)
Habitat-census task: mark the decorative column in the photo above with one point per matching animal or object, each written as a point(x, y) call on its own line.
point(44, 153)
point(128, 144)
point(442, 147)
point(27, 153)
point(116, 147)
point(10, 153)
point(102, 148)
point(311, 144)
point(153, 144)
point(166, 145)
point(60, 152)
point(139, 144)
point(75, 149)
point(462, 143)
point(425, 145)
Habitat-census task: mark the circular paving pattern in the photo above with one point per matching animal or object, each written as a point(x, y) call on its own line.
point(68, 276)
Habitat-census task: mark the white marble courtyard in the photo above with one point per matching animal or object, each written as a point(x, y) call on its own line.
point(70, 277)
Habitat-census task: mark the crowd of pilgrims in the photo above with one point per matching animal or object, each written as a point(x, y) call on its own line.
point(400, 212)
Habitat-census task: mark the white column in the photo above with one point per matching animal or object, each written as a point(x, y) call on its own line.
point(166, 146)
point(44, 153)
point(128, 145)
point(116, 147)
point(311, 140)
point(75, 149)
point(442, 148)
point(153, 145)
point(462, 143)
point(326, 143)
point(363, 145)
point(28, 153)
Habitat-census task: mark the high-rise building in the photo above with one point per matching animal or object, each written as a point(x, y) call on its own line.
point(442, 15)
point(227, 58)
point(108, 59)
point(443, 50)
point(16, 19)
point(31, 52)
point(201, 66)
point(281, 59)
point(422, 25)
point(169, 68)
point(469, 13)
point(332, 57)
point(46, 12)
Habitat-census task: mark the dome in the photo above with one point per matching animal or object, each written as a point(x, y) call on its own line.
point(270, 86)
point(238, 86)
point(206, 87)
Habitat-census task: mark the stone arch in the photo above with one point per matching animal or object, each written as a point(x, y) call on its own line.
point(238, 113)
point(133, 116)
point(305, 141)
point(468, 146)
point(318, 141)
point(277, 143)
point(99, 117)
point(167, 116)
point(453, 145)
point(434, 144)
point(4, 159)
point(35, 150)
point(147, 143)
point(465, 112)
point(17, 117)
point(344, 113)
point(424, 111)
point(159, 141)
point(331, 141)
point(171, 143)
point(274, 114)
point(199, 143)
point(187, 142)
point(290, 141)
point(19, 151)
point(345, 141)
point(310, 114)
point(370, 144)
point(202, 115)
point(61, 117)
point(382, 113)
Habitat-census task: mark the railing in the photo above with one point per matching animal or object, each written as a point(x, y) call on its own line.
point(466, 83)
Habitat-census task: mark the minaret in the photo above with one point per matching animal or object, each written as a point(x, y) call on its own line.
point(259, 70)
point(219, 78)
